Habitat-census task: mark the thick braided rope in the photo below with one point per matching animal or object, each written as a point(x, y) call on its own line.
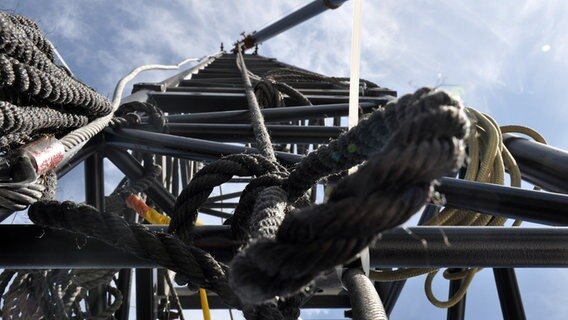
point(385, 192)
point(196, 265)
point(209, 177)
point(28, 80)
point(19, 124)
point(33, 33)
point(261, 135)
point(41, 76)
point(15, 42)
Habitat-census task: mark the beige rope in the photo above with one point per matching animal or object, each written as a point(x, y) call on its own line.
point(489, 158)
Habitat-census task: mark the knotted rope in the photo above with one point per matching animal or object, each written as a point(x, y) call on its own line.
point(488, 160)
point(427, 142)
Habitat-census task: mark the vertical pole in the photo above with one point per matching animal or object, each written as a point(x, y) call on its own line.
point(95, 196)
point(124, 285)
point(145, 309)
point(456, 312)
point(509, 294)
point(175, 177)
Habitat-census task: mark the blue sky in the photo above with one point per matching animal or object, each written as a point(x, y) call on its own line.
point(506, 58)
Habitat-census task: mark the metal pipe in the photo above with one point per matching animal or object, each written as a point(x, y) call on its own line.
point(509, 294)
point(145, 303)
point(460, 247)
point(456, 312)
point(365, 302)
point(540, 164)
point(95, 196)
point(306, 12)
point(188, 102)
point(243, 133)
point(272, 114)
point(124, 285)
point(152, 141)
point(539, 207)
point(33, 247)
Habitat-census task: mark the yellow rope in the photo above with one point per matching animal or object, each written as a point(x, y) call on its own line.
point(488, 160)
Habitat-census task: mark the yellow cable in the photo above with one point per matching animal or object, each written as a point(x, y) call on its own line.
point(204, 304)
point(154, 217)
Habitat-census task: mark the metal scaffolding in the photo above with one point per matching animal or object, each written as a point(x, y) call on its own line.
point(207, 118)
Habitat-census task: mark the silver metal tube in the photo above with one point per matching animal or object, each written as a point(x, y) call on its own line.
point(307, 12)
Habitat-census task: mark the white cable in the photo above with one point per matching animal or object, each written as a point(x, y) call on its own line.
point(355, 65)
point(77, 136)
point(60, 57)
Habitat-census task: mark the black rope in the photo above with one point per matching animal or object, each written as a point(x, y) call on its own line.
point(198, 266)
point(209, 177)
point(19, 125)
point(382, 194)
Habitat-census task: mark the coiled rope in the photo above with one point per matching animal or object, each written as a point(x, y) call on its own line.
point(488, 160)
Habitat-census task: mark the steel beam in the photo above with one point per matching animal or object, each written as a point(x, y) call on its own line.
point(457, 312)
point(86, 152)
point(509, 294)
point(33, 247)
point(95, 196)
point(243, 133)
point(270, 114)
point(460, 247)
point(305, 13)
point(186, 102)
point(190, 300)
point(540, 164)
point(533, 206)
point(181, 147)
point(145, 302)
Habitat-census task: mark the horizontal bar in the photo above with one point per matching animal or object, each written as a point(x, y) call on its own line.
point(243, 133)
point(215, 213)
point(540, 164)
point(460, 247)
point(185, 102)
point(271, 114)
point(235, 83)
point(33, 247)
point(154, 142)
point(515, 203)
point(192, 301)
